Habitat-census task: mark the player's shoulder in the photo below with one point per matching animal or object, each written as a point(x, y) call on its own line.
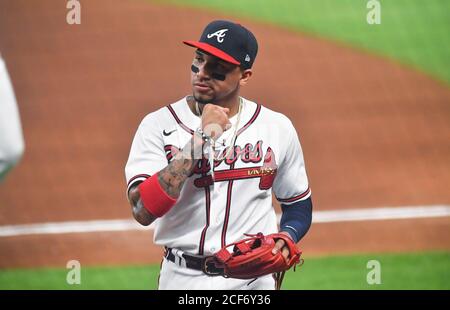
point(273, 117)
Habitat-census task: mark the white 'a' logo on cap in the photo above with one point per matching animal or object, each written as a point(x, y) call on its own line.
point(220, 34)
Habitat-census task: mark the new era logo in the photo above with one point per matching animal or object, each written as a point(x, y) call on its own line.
point(247, 58)
point(220, 34)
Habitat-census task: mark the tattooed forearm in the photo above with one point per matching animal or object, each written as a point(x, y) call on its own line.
point(175, 174)
point(170, 178)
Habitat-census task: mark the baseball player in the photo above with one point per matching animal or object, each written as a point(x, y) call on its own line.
point(11, 138)
point(205, 166)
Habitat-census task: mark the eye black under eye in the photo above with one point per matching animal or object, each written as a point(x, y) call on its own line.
point(221, 68)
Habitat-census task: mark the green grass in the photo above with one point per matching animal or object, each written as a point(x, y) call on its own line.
point(92, 278)
point(414, 32)
point(399, 271)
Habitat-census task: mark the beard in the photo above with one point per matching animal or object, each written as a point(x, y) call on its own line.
point(213, 99)
point(204, 100)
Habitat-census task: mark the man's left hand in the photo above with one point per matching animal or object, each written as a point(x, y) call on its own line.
point(281, 246)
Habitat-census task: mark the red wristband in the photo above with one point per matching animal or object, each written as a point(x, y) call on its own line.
point(154, 198)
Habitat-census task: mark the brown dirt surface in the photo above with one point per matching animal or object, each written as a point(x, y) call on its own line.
point(374, 133)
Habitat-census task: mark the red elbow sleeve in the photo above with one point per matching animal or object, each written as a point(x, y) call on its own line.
point(154, 198)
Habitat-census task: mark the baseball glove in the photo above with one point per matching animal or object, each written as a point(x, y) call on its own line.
point(252, 257)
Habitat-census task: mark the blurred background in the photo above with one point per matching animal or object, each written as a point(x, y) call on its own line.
point(371, 104)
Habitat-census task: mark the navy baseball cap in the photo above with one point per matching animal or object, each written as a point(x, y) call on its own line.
point(228, 41)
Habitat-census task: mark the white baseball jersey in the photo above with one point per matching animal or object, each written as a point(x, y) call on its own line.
point(11, 138)
point(207, 215)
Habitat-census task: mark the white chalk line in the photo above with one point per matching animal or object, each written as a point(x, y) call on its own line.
point(346, 215)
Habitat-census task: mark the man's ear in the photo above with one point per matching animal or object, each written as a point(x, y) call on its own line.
point(246, 75)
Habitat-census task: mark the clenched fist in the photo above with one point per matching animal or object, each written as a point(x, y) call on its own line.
point(215, 120)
